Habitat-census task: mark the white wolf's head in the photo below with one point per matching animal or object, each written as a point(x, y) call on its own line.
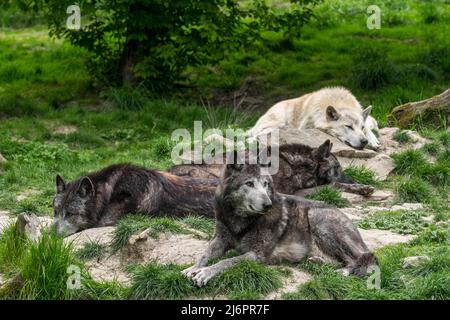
point(344, 117)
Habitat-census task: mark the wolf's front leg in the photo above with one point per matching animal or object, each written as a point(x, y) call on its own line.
point(203, 275)
point(216, 248)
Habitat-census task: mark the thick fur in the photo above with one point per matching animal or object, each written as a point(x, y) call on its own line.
point(270, 227)
point(101, 198)
point(300, 167)
point(332, 110)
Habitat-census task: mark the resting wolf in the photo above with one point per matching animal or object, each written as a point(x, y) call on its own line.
point(300, 167)
point(270, 227)
point(332, 110)
point(101, 198)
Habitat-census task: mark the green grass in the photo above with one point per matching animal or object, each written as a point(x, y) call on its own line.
point(402, 136)
point(44, 269)
point(246, 280)
point(12, 249)
point(409, 162)
point(414, 190)
point(90, 251)
point(44, 85)
point(404, 222)
point(329, 195)
point(363, 175)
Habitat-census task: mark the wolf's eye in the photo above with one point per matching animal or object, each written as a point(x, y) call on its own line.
point(249, 184)
point(350, 127)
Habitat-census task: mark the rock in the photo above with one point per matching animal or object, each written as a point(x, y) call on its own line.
point(102, 236)
point(408, 207)
point(389, 146)
point(375, 238)
point(430, 109)
point(290, 284)
point(353, 213)
point(31, 225)
point(381, 164)
point(167, 248)
point(414, 261)
point(378, 195)
point(2, 159)
point(66, 129)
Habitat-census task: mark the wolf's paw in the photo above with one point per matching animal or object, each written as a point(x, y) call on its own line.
point(202, 276)
point(316, 259)
point(344, 271)
point(191, 271)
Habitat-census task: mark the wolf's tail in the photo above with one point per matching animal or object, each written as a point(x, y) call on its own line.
point(362, 264)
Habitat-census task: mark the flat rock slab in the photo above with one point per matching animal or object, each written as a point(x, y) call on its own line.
point(375, 238)
point(167, 248)
point(378, 195)
point(102, 236)
point(389, 146)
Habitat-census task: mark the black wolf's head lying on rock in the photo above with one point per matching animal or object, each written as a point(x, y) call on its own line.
point(102, 197)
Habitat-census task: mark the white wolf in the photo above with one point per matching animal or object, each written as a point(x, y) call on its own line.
point(333, 110)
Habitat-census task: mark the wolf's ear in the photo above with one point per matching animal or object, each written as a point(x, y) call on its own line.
point(366, 112)
point(60, 184)
point(86, 188)
point(332, 114)
point(323, 151)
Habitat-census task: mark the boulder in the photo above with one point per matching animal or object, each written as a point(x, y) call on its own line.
point(102, 236)
point(31, 225)
point(389, 146)
point(414, 261)
point(429, 109)
point(376, 239)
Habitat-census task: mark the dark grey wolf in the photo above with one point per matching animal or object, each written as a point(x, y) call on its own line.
point(102, 197)
point(270, 227)
point(300, 167)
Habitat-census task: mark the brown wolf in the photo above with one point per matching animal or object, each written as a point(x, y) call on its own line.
point(269, 227)
point(100, 198)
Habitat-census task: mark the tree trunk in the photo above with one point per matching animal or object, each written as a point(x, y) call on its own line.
point(430, 110)
point(128, 61)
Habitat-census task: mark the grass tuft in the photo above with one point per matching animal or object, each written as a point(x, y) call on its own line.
point(414, 190)
point(409, 162)
point(90, 251)
point(45, 269)
point(363, 175)
point(329, 195)
point(402, 136)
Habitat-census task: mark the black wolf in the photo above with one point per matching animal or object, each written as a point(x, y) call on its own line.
point(300, 167)
point(101, 198)
point(269, 227)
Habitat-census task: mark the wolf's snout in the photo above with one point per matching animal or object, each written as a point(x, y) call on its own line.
point(267, 206)
point(364, 142)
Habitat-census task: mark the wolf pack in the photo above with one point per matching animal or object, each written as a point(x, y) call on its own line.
point(259, 215)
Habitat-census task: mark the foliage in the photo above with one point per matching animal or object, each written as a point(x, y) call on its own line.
point(156, 40)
